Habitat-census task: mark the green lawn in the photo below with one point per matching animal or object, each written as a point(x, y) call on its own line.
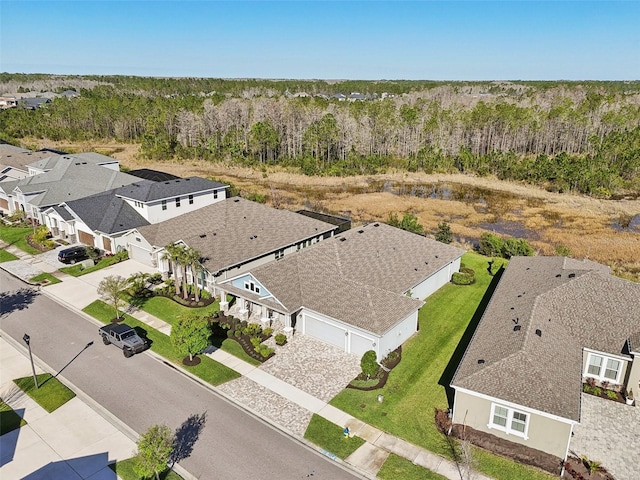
point(234, 348)
point(208, 370)
point(429, 359)
point(124, 470)
point(45, 276)
point(17, 236)
point(330, 437)
point(169, 310)
point(78, 269)
point(9, 419)
point(7, 256)
point(398, 468)
point(50, 394)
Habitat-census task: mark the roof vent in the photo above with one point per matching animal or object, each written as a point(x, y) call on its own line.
point(481, 361)
point(572, 275)
point(202, 235)
point(538, 332)
point(342, 239)
point(376, 224)
point(236, 200)
point(426, 263)
point(416, 269)
point(516, 328)
point(436, 256)
point(558, 275)
point(360, 231)
point(214, 234)
point(513, 308)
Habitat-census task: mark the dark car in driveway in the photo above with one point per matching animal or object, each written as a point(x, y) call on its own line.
point(73, 254)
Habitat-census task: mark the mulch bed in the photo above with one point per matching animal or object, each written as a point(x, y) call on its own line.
point(243, 340)
point(191, 363)
point(382, 374)
point(190, 302)
point(576, 469)
point(604, 393)
point(505, 448)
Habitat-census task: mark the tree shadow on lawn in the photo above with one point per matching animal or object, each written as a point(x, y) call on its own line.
point(456, 358)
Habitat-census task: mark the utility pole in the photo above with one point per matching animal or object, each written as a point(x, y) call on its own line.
point(27, 340)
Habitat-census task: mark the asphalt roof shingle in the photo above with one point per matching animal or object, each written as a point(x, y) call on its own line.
point(561, 306)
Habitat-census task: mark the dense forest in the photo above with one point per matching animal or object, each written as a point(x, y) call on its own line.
point(565, 136)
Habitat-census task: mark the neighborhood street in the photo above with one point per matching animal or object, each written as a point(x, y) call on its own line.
point(142, 391)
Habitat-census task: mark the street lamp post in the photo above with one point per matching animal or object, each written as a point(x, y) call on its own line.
point(27, 340)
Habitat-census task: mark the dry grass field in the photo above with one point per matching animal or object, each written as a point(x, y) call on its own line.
point(472, 205)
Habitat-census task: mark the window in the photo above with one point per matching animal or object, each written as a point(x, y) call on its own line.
point(215, 194)
point(279, 254)
point(164, 204)
point(190, 199)
point(603, 368)
point(177, 202)
point(510, 421)
point(252, 287)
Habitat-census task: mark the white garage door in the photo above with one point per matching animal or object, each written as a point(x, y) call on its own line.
point(360, 344)
point(140, 255)
point(324, 331)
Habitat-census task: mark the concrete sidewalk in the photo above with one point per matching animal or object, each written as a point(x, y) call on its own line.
point(79, 292)
point(73, 442)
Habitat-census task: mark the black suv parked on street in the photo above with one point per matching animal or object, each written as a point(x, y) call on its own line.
point(73, 254)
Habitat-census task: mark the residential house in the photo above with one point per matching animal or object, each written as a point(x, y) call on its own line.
point(232, 236)
point(551, 324)
point(360, 290)
point(104, 218)
point(33, 103)
point(8, 101)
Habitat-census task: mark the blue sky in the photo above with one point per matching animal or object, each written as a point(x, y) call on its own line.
point(437, 40)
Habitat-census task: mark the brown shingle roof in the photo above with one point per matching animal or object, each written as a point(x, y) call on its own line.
point(358, 277)
point(234, 230)
point(573, 305)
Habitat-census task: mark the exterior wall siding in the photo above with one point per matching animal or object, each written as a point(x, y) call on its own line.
point(545, 434)
point(435, 281)
point(398, 335)
point(153, 210)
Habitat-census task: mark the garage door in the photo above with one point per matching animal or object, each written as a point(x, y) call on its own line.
point(85, 238)
point(324, 331)
point(106, 243)
point(360, 344)
point(4, 203)
point(140, 255)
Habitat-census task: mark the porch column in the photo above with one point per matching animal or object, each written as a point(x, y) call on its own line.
point(264, 318)
point(224, 305)
point(287, 323)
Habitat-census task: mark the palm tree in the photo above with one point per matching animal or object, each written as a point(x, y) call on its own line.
point(172, 255)
point(192, 258)
point(183, 261)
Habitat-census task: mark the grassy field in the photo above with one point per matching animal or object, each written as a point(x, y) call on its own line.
point(398, 468)
point(169, 311)
point(124, 470)
point(18, 237)
point(416, 387)
point(208, 370)
point(7, 256)
point(330, 437)
point(9, 419)
point(50, 394)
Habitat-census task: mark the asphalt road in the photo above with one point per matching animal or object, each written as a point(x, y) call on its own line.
point(142, 391)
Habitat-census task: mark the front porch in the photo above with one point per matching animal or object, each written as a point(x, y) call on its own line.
point(256, 313)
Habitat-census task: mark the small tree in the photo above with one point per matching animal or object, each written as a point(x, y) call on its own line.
point(154, 449)
point(444, 234)
point(192, 257)
point(112, 289)
point(172, 255)
point(369, 363)
point(409, 222)
point(190, 336)
point(93, 253)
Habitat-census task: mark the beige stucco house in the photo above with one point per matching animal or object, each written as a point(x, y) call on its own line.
point(551, 324)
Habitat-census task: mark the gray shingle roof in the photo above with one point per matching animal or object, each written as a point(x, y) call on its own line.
point(147, 191)
point(234, 230)
point(19, 157)
point(72, 179)
point(106, 213)
point(574, 305)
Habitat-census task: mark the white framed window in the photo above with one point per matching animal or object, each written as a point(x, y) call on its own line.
point(164, 204)
point(215, 194)
point(252, 287)
point(508, 420)
point(190, 199)
point(279, 254)
point(177, 202)
point(603, 368)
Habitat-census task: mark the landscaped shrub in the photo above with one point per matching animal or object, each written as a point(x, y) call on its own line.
point(238, 333)
point(281, 339)
point(466, 276)
point(369, 363)
point(230, 333)
point(267, 332)
point(264, 351)
point(494, 246)
point(255, 341)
